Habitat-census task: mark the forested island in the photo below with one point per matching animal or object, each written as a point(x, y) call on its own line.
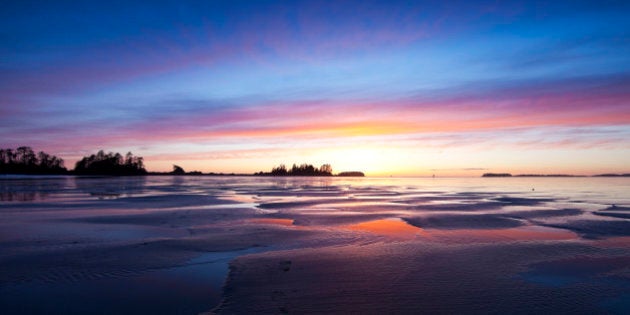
point(301, 170)
point(25, 161)
point(306, 170)
point(110, 163)
point(496, 175)
point(351, 174)
point(178, 171)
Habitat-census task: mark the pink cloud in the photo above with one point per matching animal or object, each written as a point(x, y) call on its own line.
point(291, 121)
point(309, 120)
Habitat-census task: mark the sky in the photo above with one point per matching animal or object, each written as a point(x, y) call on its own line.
point(405, 88)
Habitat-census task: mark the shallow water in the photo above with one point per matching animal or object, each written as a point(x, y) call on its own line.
point(163, 244)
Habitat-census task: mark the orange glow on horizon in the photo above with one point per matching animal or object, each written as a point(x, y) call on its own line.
point(394, 125)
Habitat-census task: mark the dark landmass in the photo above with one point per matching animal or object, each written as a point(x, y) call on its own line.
point(301, 170)
point(110, 163)
point(351, 174)
point(196, 173)
point(24, 160)
point(527, 175)
point(613, 175)
point(177, 171)
point(496, 175)
point(548, 175)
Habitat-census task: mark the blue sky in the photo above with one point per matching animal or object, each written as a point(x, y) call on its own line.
point(391, 87)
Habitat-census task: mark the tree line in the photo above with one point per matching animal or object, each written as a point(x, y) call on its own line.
point(24, 160)
point(110, 163)
point(298, 170)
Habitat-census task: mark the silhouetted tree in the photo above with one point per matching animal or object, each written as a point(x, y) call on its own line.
point(177, 170)
point(279, 171)
point(24, 160)
point(103, 163)
point(326, 169)
point(301, 170)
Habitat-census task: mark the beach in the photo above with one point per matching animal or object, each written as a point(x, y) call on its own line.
point(226, 245)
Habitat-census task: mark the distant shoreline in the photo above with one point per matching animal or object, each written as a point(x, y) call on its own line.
point(551, 175)
point(44, 176)
point(58, 176)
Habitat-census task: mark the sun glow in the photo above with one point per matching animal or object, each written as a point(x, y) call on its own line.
point(372, 161)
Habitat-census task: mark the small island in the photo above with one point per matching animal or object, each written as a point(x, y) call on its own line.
point(110, 163)
point(547, 175)
point(301, 170)
point(178, 171)
point(351, 174)
point(612, 175)
point(307, 170)
point(533, 175)
point(496, 175)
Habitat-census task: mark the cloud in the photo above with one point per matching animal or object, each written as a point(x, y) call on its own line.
point(580, 106)
point(314, 74)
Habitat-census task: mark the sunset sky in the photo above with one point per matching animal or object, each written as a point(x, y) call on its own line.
point(384, 87)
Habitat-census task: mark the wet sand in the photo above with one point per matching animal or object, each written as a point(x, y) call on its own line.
point(412, 277)
point(313, 245)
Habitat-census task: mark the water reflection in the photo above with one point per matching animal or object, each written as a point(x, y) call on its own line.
point(10, 195)
point(399, 229)
point(394, 228)
point(36, 189)
point(111, 188)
